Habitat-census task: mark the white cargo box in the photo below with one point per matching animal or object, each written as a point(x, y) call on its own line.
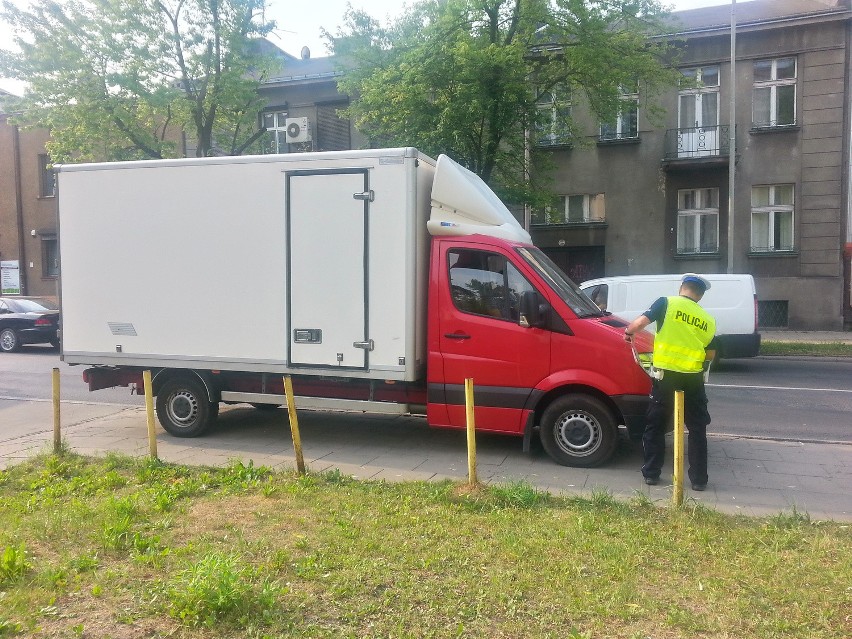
point(305, 263)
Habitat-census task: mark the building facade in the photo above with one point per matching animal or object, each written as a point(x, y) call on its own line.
point(638, 196)
point(29, 247)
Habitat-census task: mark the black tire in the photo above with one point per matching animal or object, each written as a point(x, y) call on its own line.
point(578, 430)
point(183, 408)
point(9, 341)
point(55, 343)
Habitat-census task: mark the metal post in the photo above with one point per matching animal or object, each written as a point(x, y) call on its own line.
point(677, 480)
point(149, 409)
point(57, 435)
point(294, 425)
point(732, 143)
point(471, 429)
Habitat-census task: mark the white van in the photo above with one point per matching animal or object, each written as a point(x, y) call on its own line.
point(732, 300)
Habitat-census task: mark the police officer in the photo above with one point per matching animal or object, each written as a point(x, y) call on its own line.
point(684, 340)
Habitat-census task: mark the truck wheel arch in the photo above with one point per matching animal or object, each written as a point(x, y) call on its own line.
point(167, 374)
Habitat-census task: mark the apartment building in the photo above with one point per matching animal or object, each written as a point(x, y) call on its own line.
point(640, 196)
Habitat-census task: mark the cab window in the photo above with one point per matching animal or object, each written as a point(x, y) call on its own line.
point(484, 283)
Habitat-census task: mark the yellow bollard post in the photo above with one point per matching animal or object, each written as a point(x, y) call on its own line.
point(57, 435)
point(677, 493)
point(471, 430)
point(294, 425)
point(149, 409)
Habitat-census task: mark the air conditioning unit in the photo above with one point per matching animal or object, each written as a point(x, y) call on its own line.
point(298, 130)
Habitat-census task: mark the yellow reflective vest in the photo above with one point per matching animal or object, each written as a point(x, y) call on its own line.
point(686, 332)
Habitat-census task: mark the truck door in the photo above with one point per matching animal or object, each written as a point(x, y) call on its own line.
point(480, 337)
point(327, 226)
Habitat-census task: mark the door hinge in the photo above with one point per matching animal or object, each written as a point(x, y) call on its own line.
point(367, 196)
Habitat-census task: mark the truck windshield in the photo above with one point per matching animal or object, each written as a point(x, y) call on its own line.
point(561, 284)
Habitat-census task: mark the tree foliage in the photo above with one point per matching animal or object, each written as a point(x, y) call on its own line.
point(466, 77)
point(123, 79)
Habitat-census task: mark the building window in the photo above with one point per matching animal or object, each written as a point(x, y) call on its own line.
point(626, 124)
point(697, 221)
point(47, 178)
point(572, 209)
point(553, 122)
point(772, 218)
point(49, 256)
point(774, 92)
point(275, 123)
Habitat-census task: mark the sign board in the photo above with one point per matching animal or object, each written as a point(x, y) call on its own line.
point(10, 276)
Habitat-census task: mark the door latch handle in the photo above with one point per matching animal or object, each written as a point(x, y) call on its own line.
point(457, 335)
point(367, 346)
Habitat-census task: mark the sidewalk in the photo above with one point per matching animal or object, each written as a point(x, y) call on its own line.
point(747, 476)
point(816, 337)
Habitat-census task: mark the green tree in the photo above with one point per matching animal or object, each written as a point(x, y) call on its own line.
point(471, 78)
point(122, 79)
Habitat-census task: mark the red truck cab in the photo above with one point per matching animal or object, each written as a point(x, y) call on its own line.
point(540, 353)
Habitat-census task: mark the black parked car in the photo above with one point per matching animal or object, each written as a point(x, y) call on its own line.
point(27, 320)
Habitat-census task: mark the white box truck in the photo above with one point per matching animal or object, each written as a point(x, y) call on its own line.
point(379, 280)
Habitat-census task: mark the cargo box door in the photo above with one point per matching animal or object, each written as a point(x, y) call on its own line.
point(327, 268)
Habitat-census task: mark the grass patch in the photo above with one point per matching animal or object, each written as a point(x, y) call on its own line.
point(123, 548)
point(812, 349)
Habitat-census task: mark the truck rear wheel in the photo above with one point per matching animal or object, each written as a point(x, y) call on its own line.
point(183, 408)
point(578, 430)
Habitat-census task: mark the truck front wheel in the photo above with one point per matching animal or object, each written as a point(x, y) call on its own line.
point(183, 408)
point(578, 430)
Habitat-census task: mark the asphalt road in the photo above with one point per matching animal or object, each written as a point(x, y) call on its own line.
point(789, 398)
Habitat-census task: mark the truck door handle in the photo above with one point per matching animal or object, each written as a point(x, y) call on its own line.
point(457, 335)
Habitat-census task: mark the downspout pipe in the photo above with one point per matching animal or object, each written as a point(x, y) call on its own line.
point(19, 211)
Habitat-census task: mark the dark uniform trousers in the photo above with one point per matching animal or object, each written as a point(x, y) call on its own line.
point(660, 420)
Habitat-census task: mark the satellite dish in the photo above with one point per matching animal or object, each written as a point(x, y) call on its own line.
point(306, 53)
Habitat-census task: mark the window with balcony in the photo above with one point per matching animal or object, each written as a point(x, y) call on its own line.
point(774, 102)
point(572, 209)
point(698, 221)
point(275, 123)
point(553, 124)
point(626, 124)
point(698, 113)
point(772, 208)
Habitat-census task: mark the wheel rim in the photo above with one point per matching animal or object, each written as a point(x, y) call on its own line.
point(578, 433)
point(7, 340)
point(183, 408)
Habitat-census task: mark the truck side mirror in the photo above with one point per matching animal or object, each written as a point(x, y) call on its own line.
point(534, 310)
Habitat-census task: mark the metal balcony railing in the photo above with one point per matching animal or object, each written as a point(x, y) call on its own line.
point(697, 143)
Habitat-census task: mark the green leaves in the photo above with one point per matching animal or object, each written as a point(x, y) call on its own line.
point(463, 77)
point(124, 79)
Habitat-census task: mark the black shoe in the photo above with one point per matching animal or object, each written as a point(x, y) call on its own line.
point(699, 487)
point(652, 481)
